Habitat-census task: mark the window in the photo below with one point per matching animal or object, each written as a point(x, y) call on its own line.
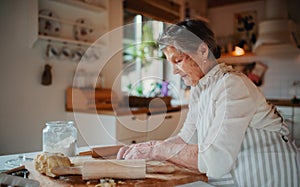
point(143, 63)
point(144, 67)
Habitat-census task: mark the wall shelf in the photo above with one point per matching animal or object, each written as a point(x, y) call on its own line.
point(64, 40)
point(80, 4)
point(69, 23)
point(230, 59)
point(64, 21)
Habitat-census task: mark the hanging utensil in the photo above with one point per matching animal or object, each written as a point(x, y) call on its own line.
point(47, 75)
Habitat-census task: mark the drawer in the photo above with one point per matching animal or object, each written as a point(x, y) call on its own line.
point(162, 126)
point(286, 112)
point(133, 140)
point(131, 126)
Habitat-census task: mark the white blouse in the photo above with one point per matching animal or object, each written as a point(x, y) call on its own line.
point(223, 106)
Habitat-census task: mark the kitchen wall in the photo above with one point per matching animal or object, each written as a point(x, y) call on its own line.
point(25, 105)
point(281, 72)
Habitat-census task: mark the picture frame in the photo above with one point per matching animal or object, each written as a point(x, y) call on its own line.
point(245, 29)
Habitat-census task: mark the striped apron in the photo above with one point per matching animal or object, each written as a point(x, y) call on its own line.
point(265, 160)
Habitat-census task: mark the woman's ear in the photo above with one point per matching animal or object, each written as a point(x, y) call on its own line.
point(203, 50)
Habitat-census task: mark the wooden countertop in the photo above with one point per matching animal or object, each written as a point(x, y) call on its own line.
point(141, 110)
point(133, 110)
point(283, 102)
point(178, 177)
point(155, 179)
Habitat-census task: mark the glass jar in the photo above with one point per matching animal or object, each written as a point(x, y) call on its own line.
point(60, 137)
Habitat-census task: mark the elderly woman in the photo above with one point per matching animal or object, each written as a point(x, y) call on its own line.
point(231, 133)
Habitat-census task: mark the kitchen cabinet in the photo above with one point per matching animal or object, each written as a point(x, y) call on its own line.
point(131, 129)
point(109, 129)
point(100, 129)
point(162, 126)
point(292, 117)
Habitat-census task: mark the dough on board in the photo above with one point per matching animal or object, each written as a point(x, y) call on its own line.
point(45, 162)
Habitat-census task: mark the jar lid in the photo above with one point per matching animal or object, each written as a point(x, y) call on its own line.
point(59, 123)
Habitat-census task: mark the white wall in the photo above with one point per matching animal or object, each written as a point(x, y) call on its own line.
point(281, 72)
point(25, 104)
point(221, 19)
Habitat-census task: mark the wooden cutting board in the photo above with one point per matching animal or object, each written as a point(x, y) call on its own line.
point(163, 180)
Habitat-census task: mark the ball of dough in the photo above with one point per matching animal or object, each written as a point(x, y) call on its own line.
point(45, 162)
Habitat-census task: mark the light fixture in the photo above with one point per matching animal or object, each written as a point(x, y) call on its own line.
point(238, 51)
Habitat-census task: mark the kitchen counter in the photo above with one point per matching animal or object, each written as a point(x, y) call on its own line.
point(100, 101)
point(283, 102)
point(133, 110)
point(141, 110)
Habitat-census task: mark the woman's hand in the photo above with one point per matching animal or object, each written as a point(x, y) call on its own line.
point(173, 149)
point(138, 151)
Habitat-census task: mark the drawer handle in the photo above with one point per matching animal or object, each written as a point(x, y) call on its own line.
point(168, 117)
point(133, 118)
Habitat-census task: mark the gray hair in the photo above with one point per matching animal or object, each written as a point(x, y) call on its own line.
point(187, 35)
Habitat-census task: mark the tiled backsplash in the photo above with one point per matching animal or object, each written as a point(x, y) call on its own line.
point(279, 78)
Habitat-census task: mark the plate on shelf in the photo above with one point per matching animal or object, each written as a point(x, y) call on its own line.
point(48, 24)
point(83, 30)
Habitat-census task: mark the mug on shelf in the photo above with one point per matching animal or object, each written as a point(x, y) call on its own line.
point(66, 53)
point(77, 54)
point(52, 51)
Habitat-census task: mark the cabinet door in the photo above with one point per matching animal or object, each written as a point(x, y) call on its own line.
point(96, 130)
point(292, 118)
point(131, 127)
point(162, 126)
point(287, 114)
point(296, 128)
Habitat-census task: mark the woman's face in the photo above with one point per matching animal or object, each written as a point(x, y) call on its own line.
point(184, 65)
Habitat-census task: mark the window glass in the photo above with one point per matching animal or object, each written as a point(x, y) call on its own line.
point(143, 63)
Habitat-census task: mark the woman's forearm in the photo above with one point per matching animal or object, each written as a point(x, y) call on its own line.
point(177, 151)
point(173, 149)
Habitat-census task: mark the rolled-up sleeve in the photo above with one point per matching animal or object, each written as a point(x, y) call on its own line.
point(234, 108)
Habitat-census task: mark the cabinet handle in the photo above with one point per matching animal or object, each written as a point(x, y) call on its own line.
point(133, 118)
point(168, 117)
